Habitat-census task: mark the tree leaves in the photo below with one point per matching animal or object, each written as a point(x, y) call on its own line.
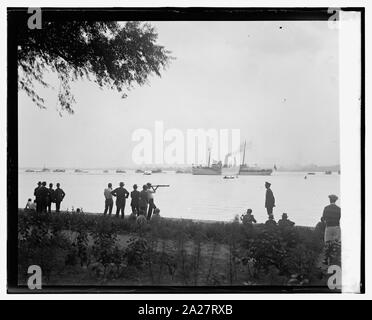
point(115, 56)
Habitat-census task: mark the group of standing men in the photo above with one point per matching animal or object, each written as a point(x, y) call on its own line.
point(44, 197)
point(142, 202)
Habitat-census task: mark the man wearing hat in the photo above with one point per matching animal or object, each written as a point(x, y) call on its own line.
point(269, 200)
point(135, 200)
point(143, 200)
point(37, 198)
point(50, 198)
point(42, 194)
point(332, 216)
point(59, 195)
point(121, 195)
point(284, 222)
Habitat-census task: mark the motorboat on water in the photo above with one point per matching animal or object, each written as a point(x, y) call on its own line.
point(230, 177)
point(80, 171)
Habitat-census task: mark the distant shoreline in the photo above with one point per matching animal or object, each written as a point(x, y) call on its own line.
point(310, 168)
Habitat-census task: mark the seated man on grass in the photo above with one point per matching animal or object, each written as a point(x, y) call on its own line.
point(284, 222)
point(248, 218)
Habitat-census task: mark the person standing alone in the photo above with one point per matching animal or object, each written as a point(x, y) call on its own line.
point(121, 195)
point(332, 216)
point(109, 202)
point(269, 199)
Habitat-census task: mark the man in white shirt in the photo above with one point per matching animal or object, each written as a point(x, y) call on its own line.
point(150, 192)
point(109, 202)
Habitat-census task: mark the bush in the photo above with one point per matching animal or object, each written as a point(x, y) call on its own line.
point(266, 249)
point(169, 248)
point(332, 253)
point(283, 250)
point(136, 252)
point(104, 247)
point(41, 243)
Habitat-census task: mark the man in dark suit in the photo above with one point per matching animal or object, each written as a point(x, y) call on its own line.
point(143, 200)
point(284, 222)
point(59, 195)
point(50, 197)
point(121, 195)
point(269, 199)
point(135, 200)
point(42, 194)
point(37, 200)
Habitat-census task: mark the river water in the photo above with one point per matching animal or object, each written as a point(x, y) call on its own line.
point(197, 197)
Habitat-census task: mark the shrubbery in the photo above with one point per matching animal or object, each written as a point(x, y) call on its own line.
point(166, 251)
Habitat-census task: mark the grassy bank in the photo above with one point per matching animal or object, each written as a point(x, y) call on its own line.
point(83, 249)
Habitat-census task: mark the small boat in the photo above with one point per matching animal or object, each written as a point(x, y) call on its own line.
point(311, 173)
point(45, 169)
point(229, 177)
point(105, 171)
point(59, 170)
point(328, 172)
point(29, 170)
point(186, 170)
point(157, 170)
point(80, 171)
point(147, 173)
point(120, 171)
point(139, 171)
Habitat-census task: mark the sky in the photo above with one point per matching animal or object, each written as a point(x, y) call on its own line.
point(275, 81)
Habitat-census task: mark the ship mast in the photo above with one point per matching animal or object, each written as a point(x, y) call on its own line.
point(245, 142)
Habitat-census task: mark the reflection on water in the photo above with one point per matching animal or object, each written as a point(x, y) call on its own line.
point(197, 197)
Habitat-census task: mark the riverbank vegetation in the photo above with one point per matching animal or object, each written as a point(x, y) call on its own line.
point(85, 249)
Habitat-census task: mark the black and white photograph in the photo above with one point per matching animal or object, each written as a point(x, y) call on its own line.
point(185, 150)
